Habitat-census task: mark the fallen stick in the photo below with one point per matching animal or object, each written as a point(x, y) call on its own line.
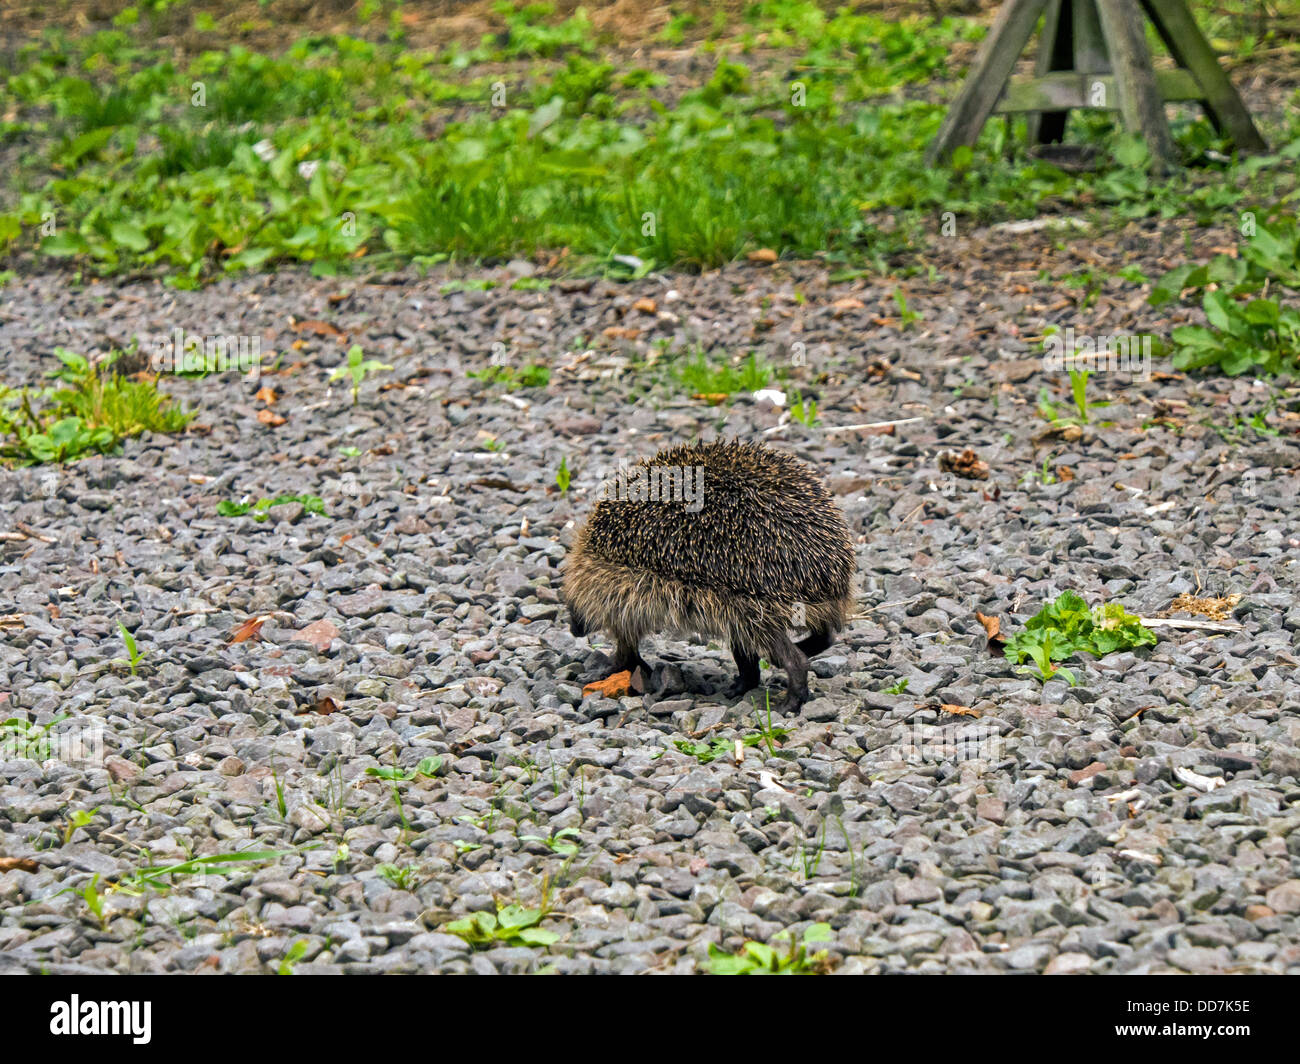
point(872, 425)
point(1177, 622)
point(1196, 781)
point(31, 533)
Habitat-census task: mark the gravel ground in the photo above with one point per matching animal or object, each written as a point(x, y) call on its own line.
point(421, 617)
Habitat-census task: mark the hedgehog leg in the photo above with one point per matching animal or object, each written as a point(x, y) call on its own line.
point(627, 658)
point(816, 643)
point(747, 665)
point(787, 656)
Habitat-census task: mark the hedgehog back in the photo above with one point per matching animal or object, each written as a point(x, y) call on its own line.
point(767, 527)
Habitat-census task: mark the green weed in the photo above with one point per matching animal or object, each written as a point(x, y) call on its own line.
point(134, 655)
point(1066, 627)
point(511, 925)
point(757, 958)
point(357, 369)
point(93, 413)
point(530, 376)
point(260, 510)
point(1250, 328)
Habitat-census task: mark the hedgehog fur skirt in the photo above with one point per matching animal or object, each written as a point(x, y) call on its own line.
point(728, 540)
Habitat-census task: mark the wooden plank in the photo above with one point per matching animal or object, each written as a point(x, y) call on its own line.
point(994, 62)
point(1066, 90)
point(1139, 101)
point(1187, 44)
point(1055, 52)
point(1089, 47)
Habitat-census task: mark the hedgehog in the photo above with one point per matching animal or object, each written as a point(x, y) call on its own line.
point(728, 540)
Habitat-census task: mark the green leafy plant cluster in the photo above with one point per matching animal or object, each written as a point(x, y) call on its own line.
point(1067, 626)
point(93, 412)
point(428, 767)
point(533, 375)
point(511, 925)
point(22, 739)
point(1251, 327)
point(260, 510)
point(786, 958)
point(719, 747)
point(557, 842)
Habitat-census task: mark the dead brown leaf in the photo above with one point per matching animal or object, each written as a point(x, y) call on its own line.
point(712, 397)
point(965, 465)
point(1068, 433)
point(250, 629)
point(20, 864)
point(1216, 609)
point(270, 417)
point(960, 711)
point(842, 306)
point(266, 394)
point(618, 332)
point(645, 305)
point(316, 328)
point(616, 686)
point(993, 626)
point(762, 255)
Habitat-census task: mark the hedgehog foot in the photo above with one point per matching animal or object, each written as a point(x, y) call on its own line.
point(628, 659)
point(747, 666)
point(787, 656)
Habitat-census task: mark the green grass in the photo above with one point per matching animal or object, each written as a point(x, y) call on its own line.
point(557, 842)
point(700, 375)
point(323, 155)
point(134, 655)
point(351, 154)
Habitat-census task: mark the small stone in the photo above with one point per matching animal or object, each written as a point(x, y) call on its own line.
point(1086, 773)
point(121, 770)
point(1068, 964)
point(1285, 897)
point(916, 891)
point(319, 634)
